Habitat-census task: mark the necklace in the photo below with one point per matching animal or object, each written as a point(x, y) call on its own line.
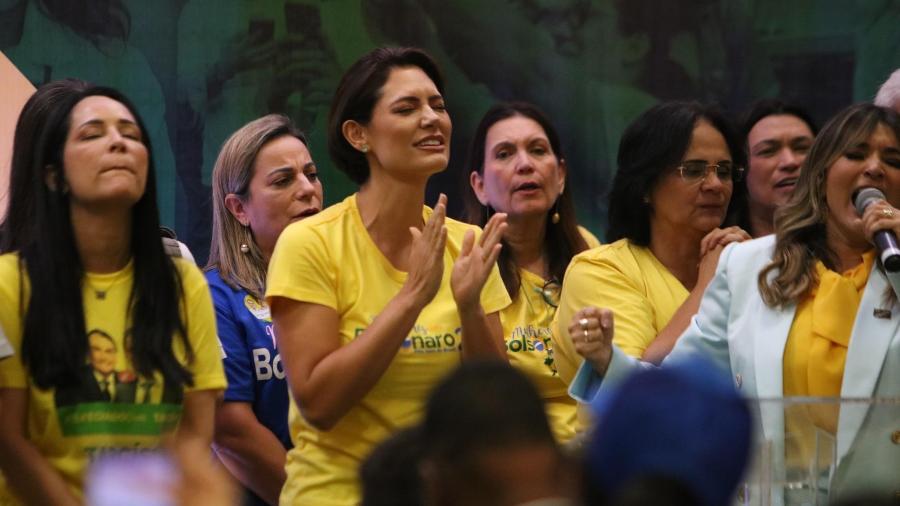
point(100, 293)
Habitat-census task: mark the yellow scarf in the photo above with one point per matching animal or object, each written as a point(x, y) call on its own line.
point(816, 350)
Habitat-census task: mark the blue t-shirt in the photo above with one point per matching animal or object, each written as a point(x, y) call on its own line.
point(252, 362)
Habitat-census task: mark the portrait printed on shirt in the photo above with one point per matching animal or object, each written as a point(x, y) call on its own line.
point(110, 398)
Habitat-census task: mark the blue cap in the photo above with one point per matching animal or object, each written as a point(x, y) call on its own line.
point(684, 422)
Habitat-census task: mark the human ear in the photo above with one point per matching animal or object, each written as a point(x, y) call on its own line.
point(236, 207)
point(477, 183)
point(355, 135)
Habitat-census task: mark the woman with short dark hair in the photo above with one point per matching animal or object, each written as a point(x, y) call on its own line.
point(777, 138)
point(95, 264)
point(677, 165)
point(377, 297)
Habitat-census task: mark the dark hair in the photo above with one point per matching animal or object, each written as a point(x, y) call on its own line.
point(563, 240)
point(482, 406)
point(740, 200)
point(651, 145)
point(480, 409)
point(656, 489)
point(20, 213)
point(102, 334)
point(356, 95)
point(54, 349)
point(389, 476)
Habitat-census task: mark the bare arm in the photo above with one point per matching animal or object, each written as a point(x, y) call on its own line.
point(198, 416)
point(27, 472)
point(326, 378)
point(710, 249)
point(249, 450)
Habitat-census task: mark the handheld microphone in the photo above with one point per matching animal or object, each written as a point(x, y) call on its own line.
point(885, 240)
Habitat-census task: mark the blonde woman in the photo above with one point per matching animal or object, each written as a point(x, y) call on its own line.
point(263, 180)
point(808, 312)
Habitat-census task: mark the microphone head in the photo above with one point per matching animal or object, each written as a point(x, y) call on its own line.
point(866, 196)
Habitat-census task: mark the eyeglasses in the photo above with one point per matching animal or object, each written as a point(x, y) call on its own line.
point(695, 171)
point(550, 292)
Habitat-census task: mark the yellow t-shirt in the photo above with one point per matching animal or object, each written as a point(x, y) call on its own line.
point(330, 259)
point(527, 330)
point(113, 409)
point(630, 281)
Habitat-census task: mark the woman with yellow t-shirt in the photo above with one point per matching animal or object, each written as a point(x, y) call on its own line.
point(677, 166)
point(518, 169)
point(376, 298)
point(107, 357)
point(808, 312)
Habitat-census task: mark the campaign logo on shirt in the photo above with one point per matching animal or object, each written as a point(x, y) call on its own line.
point(528, 338)
point(420, 340)
point(259, 309)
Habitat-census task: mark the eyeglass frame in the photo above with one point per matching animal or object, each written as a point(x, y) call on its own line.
point(737, 172)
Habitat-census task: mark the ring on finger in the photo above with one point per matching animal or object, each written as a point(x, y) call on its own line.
point(584, 323)
point(888, 212)
point(586, 337)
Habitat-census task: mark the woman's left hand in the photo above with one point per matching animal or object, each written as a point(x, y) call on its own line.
point(475, 261)
point(880, 215)
point(722, 237)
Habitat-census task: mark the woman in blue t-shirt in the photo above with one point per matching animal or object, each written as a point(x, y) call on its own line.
point(263, 180)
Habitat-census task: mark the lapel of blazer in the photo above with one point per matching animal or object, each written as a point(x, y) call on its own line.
point(768, 358)
point(870, 339)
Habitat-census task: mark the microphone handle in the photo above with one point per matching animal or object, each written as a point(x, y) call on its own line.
point(888, 250)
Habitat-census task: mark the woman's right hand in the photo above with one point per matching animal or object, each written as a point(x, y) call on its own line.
point(426, 256)
point(591, 331)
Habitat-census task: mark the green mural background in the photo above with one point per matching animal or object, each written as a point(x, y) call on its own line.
point(199, 69)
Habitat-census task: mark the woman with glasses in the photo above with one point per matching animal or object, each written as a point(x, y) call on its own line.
point(376, 298)
point(810, 311)
point(518, 169)
point(677, 166)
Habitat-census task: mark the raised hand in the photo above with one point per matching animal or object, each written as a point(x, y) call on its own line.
point(722, 237)
point(475, 261)
point(591, 331)
point(426, 256)
point(711, 248)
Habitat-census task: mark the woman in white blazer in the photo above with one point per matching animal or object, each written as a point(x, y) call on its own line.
point(779, 314)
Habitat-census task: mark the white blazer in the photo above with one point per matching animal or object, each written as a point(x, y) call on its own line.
point(738, 331)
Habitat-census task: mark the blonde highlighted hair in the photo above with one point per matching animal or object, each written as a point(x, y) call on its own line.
point(800, 232)
point(231, 175)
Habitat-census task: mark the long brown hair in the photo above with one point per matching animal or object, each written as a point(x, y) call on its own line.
point(562, 240)
point(800, 233)
point(232, 174)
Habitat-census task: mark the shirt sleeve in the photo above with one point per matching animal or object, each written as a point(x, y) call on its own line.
point(236, 354)
point(201, 327)
point(606, 282)
point(301, 268)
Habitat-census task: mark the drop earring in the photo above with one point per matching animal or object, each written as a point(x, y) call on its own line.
point(554, 218)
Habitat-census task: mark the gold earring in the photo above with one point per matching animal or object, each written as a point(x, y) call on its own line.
point(554, 218)
point(364, 148)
